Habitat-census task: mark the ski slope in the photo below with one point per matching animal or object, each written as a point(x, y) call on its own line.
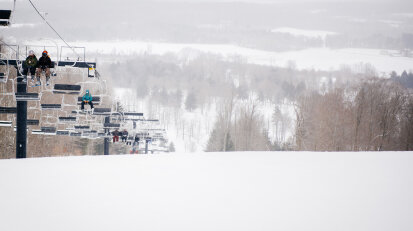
point(209, 191)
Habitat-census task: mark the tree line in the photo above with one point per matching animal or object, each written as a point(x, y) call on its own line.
point(375, 115)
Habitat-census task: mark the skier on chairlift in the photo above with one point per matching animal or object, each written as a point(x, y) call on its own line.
point(87, 99)
point(29, 66)
point(136, 142)
point(125, 136)
point(44, 64)
point(115, 136)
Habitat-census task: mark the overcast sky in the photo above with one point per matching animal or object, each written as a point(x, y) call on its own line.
point(175, 20)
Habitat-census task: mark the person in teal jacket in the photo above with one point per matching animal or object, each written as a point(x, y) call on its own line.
point(87, 98)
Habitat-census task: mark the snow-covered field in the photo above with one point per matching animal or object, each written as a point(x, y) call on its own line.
point(306, 33)
point(209, 191)
point(313, 58)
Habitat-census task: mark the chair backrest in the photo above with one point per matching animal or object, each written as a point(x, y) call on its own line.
point(5, 17)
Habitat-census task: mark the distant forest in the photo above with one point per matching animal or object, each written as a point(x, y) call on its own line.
point(333, 111)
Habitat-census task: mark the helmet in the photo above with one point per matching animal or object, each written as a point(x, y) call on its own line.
point(44, 52)
point(31, 52)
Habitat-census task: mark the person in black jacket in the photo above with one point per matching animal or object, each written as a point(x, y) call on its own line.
point(136, 140)
point(29, 66)
point(44, 64)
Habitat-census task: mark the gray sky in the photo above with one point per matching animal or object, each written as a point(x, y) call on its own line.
point(200, 20)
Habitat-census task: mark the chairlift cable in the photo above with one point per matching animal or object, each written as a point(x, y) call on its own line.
point(44, 19)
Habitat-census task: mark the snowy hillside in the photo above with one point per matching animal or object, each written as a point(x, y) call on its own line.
point(326, 59)
point(210, 191)
point(312, 58)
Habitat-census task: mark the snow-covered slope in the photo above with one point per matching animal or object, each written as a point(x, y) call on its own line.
point(209, 191)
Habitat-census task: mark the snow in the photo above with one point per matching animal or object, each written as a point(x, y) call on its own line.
point(306, 33)
point(312, 58)
point(209, 191)
point(321, 58)
point(19, 25)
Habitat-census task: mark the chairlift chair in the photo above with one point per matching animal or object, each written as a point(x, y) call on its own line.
point(4, 123)
point(133, 114)
point(48, 130)
point(102, 111)
point(90, 133)
point(5, 16)
point(37, 132)
point(27, 96)
point(81, 127)
point(62, 132)
point(110, 125)
point(102, 135)
point(76, 134)
point(67, 119)
point(96, 100)
point(67, 89)
point(8, 110)
point(51, 106)
point(4, 75)
point(33, 122)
